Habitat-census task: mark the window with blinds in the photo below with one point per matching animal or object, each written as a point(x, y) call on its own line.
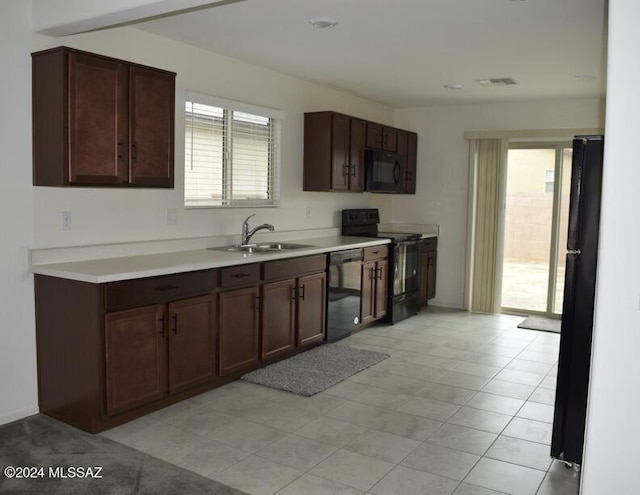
point(231, 153)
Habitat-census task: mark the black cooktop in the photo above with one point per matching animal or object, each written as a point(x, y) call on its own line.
point(363, 222)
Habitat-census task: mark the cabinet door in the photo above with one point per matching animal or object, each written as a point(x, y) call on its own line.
point(136, 364)
point(411, 164)
point(151, 96)
point(424, 278)
point(278, 317)
point(382, 289)
point(311, 308)
point(97, 121)
point(368, 298)
point(431, 276)
point(239, 329)
point(374, 136)
point(389, 138)
point(356, 154)
point(192, 342)
point(340, 152)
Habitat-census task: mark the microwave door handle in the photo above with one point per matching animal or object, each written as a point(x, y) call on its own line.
point(396, 172)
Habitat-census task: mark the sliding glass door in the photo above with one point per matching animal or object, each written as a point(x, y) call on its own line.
point(535, 228)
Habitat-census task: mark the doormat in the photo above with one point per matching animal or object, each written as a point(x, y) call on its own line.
point(541, 323)
point(316, 370)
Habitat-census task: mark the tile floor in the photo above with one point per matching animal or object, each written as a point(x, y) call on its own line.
point(463, 406)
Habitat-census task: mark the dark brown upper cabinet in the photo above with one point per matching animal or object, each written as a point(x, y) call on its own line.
point(333, 152)
point(99, 121)
point(334, 146)
point(407, 147)
point(381, 137)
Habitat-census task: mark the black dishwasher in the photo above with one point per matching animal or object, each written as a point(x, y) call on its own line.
point(344, 287)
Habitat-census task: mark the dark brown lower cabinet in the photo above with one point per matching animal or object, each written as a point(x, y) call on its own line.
point(239, 317)
point(278, 317)
point(193, 342)
point(428, 263)
point(375, 281)
point(159, 349)
point(293, 304)
point(108, 353)
point(311, 308)
point(136, 358)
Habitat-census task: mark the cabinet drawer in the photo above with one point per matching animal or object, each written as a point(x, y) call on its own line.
point(429, 244)
point(154, 290)
point(376, 252)
point(293, 267)
point(237, 276)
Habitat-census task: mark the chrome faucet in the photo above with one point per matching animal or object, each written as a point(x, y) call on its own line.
point(248, 234)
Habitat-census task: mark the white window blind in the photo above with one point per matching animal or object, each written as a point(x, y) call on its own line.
point(231, 153)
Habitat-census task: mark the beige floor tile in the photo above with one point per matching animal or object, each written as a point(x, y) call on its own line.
point(330, 431)
point(490, 421)
point(278, 416)
point(522, 452)
point(381, 445)
point(406, 481)
point(379, 397)
point(313, 485)
point(508, 389)
point(407, 425)
point(461, 438)
point(429, 408)
point(555, 484)
point(467, 489)
point(346, 389)
point(442, 461)
point(537, 412)
point(477, 369)
point(505, 477)
point(495, 403)
point(446, 393)
point(527, 429)
point(463, 380)
point(258, 476)
point(352, 469)
point(297, 452)
point(241, 434)
point(544, 396)
point(523, 377)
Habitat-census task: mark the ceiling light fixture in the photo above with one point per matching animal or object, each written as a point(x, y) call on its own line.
point(497, 81)
point(323, 22)
point(453, 87)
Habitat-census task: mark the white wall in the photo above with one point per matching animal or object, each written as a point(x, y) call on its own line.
point(443, 169)
point(109, 215)
point(32, 214)
point(613, 435)
point(17, 336)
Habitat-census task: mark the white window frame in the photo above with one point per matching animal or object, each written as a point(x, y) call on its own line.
point(273, 172)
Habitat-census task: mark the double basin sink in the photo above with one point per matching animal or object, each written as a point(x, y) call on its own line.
point(266, 247)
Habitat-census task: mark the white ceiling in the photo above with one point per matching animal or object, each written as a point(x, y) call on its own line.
point(402, 52)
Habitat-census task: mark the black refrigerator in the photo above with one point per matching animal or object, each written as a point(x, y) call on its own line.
point(579, 293)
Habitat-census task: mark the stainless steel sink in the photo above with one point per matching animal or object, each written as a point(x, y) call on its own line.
point(266, 247)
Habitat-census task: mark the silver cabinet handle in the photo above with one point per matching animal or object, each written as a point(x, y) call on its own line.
point(576, 252)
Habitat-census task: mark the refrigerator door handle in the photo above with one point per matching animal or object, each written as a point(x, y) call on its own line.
point(576, 252)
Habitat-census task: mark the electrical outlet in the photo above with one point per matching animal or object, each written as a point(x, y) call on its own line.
point(66, 220)
point(172, 216)
point(307, 212)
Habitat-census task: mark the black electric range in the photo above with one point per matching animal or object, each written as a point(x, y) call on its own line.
point(404, 274)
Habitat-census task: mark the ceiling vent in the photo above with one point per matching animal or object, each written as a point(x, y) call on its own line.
point(497, 81)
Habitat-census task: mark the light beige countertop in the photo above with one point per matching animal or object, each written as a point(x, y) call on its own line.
point(150, 265)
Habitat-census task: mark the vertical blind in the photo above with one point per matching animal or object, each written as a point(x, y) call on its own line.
point(231, 153)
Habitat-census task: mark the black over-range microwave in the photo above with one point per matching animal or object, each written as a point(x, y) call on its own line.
point(383, 171)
